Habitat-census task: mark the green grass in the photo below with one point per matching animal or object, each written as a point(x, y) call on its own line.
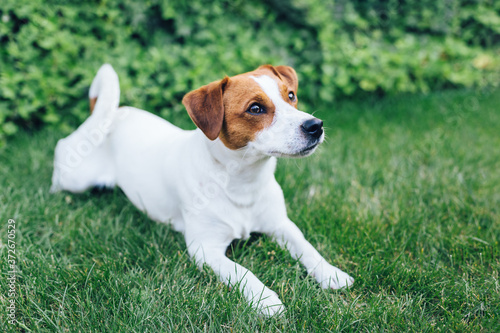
point(404, 195)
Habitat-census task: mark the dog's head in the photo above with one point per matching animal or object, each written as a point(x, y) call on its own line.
point(257, 110)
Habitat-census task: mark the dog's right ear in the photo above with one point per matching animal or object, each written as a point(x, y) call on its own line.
point(206, 108)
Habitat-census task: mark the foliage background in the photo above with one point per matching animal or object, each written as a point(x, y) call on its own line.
point(50, 50)
point(408, 185)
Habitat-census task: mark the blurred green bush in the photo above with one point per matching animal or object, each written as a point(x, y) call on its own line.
point(50, 51)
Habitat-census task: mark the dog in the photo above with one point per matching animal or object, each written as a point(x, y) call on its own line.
point(214, 184)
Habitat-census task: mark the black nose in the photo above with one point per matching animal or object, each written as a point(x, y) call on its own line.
point(313, 127)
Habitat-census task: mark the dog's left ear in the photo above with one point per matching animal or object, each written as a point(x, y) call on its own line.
point(206, 108)
point(289, 76)
point(286, 73)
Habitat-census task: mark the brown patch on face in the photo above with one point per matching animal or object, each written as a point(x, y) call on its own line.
point(239, 126)
point(289, 77)
point(287, 80)
point(220, 108)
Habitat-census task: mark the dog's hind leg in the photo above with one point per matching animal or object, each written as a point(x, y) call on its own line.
point(80, 165)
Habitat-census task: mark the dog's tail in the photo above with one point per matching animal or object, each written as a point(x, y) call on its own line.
point(79, 161)
point(104, 92)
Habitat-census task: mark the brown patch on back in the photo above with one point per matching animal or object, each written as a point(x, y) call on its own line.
point(92, 104)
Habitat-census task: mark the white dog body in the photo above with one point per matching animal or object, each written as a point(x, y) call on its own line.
point(214, 184)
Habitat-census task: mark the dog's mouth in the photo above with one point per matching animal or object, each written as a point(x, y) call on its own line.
point(301, 153)
point(308, 150)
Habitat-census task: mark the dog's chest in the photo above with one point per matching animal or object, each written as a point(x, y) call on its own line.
point(235, 211)
point(240, 220)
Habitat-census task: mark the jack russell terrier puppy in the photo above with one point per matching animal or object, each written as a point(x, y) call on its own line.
point(214, 184)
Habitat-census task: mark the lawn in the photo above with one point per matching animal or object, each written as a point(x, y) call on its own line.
point(404, 196)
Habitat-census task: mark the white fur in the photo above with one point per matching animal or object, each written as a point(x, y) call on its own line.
point(203, 189)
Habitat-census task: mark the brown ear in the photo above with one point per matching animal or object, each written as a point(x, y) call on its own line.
point(289, 76)
point(206, 108)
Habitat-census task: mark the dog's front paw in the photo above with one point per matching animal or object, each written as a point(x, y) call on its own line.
point(268, 303)
point(330, 277)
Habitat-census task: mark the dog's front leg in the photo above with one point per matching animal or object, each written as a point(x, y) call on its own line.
point(207, 248)
point(290, 237)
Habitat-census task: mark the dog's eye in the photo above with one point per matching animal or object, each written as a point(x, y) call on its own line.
point(292, 97)
point(256, 109)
